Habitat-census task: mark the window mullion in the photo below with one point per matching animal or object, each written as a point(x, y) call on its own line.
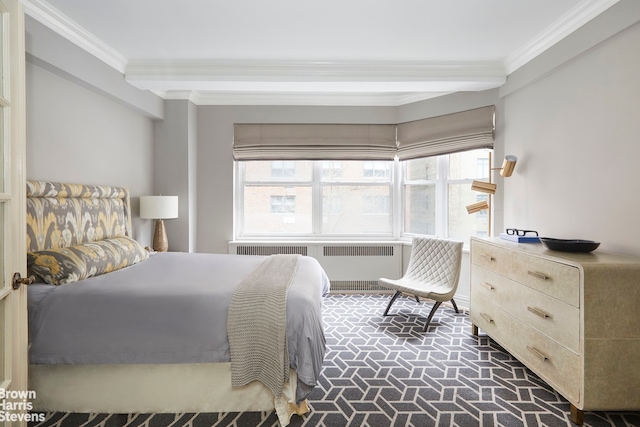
point(239, 199)
point(442, 203)
point(316, 198)
point(397, 199)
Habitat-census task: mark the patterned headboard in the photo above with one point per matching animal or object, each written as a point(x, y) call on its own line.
point(61, 215)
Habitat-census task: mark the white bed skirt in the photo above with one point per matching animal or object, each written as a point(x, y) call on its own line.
point(168, 388)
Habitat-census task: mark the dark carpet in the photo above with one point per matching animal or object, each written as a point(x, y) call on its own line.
point(384, 371)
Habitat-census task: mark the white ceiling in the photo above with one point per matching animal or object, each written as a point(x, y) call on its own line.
point(303, 52)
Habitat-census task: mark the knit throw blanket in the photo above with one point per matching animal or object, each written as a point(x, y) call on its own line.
point(257, 325)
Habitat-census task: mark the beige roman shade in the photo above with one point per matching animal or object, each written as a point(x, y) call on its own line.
point(314, 142)
point(450, 133)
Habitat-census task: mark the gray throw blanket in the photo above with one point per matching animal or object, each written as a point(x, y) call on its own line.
point(257, 325)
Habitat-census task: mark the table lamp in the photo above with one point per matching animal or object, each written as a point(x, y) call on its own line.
point(159, 208)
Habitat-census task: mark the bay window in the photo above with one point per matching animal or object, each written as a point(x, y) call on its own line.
point(362, 181)
point(353, 199)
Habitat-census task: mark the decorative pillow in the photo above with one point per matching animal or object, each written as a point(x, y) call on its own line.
point(66, 265)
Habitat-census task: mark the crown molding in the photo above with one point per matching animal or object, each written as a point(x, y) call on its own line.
point(570, 22)
point(352, 78)
point(300, 99)
point(51, 17)
point(302, 70)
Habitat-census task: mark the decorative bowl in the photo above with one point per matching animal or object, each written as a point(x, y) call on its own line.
point(569, 245)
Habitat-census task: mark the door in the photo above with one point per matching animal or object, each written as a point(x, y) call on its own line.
point(14, 394)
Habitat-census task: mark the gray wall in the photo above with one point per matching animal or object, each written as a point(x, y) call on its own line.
point(54, 53)
point(175, 169)
point(85, 124)
point(75, 135)
point(576, 131)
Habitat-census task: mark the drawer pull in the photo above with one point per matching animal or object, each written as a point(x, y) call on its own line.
point(486, 317)
point(539, 312)
point(488, 257)
point(538, 275)
point(538, 353)
point(489, 286)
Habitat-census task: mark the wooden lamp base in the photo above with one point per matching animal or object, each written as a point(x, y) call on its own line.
point(160, 241)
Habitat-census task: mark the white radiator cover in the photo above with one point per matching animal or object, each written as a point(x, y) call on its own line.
point(351, 266)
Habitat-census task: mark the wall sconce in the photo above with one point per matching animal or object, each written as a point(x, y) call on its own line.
point(508, 165)
point(159, 208)
point(477, 207)
point(484, 187)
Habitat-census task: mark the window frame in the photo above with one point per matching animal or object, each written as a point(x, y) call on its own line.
point(316, 185)
point(397, 200)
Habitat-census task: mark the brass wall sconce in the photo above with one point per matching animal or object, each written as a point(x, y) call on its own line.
point(508, 165)
point(484, 187)
point(477, 207)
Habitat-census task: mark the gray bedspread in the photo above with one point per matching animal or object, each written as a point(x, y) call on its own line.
point(171, 308)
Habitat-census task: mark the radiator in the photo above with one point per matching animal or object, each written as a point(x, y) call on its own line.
point(351, 267)
point(269, 250)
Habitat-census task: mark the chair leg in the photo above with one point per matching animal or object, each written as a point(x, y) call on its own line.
point(433, 311)
point(393, 298)
point(455, 306)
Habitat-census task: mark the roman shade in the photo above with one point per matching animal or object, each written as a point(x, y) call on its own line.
point(314, 142)
point(450, 133)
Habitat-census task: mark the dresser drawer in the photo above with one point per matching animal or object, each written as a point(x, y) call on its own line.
point(552, 317)
point(551, 361)
point(560, 314)
point(559, 280)
point(491, 257)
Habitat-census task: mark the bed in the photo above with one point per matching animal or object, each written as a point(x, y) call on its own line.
point(115, 329)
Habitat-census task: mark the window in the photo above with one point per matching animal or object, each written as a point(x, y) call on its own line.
point(275, 205)
point(358, 199)
point(357, 194)
point(420, 179)
point(314, 198)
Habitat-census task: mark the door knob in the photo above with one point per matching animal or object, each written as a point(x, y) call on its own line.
point(19, 280)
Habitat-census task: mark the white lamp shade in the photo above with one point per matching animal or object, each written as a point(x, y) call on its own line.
point(159, 207)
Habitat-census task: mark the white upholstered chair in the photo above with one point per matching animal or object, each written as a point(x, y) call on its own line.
point(433, 272)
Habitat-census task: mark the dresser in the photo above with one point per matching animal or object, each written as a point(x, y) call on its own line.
point(572, 318)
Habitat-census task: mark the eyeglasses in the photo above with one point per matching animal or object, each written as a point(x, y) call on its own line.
point(520, 232)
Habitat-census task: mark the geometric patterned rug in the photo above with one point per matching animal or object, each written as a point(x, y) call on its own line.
point(384, 371)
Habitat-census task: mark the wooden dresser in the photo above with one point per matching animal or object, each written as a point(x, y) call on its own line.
point(572, 318)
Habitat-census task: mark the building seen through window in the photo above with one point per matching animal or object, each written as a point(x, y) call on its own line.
point(283, 204)
point(283, 169)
